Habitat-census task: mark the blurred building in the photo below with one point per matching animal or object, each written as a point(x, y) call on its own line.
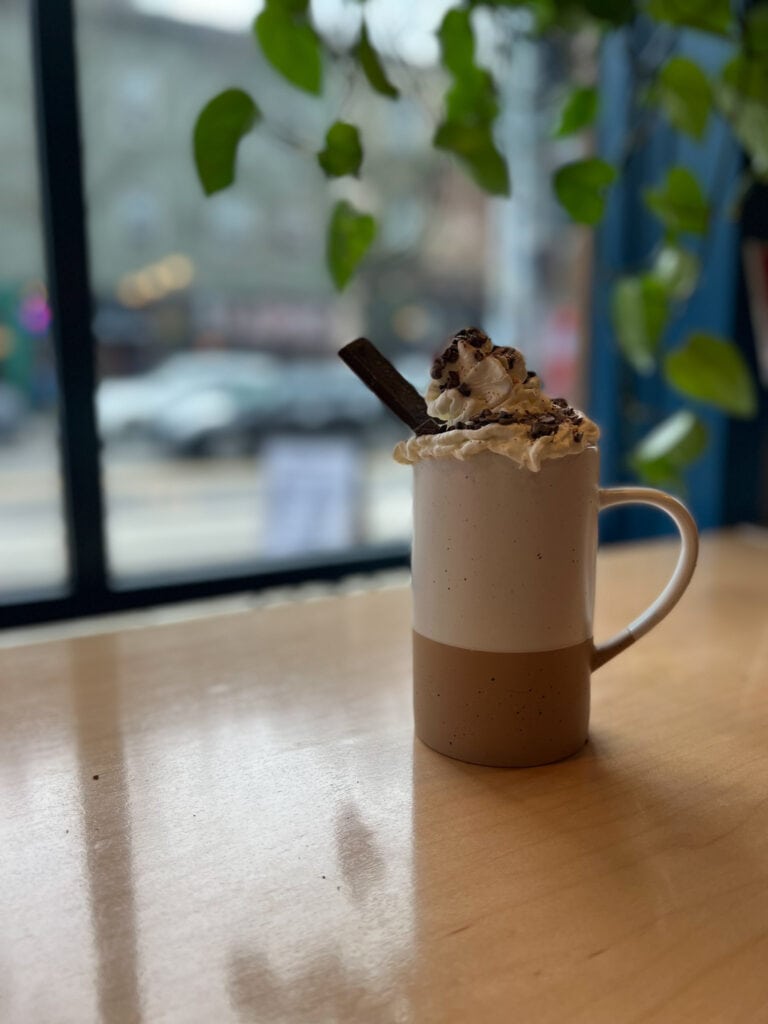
point(250, 261)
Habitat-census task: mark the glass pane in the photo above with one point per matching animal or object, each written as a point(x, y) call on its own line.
point(232, 432)
point(32, 546)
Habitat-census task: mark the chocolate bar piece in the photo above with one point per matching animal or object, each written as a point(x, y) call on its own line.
point(389, 385)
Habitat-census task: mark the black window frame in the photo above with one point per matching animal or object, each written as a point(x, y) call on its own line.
point(89, 590)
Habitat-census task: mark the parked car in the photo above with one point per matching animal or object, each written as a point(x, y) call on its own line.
point(208, 403)
point(192, 400)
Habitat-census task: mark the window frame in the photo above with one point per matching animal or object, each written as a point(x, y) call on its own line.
point(723, 491)
point(89, 590)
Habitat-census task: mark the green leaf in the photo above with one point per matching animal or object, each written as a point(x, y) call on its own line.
point(679, 202)
point(579, 111)
point(707, 15)
point(373, 69)
point(746, 78)
point(470, 107)
point(475, 147)
point(343, 153)
point(350, 235)
point(581, 187)
point(685, 95)
point(615, 12)
point(640, 310)
point(678, 269)
point(756, 30)
point(457, 42)
point(472, 96)
point(472, 99)
point(220, 125)
point(750, 126)
point(670, 447)
point(742, 95)
point(290, 44)
point(570, 15)
point(713, 370)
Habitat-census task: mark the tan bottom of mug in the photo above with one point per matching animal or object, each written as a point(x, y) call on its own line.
point(507, 710)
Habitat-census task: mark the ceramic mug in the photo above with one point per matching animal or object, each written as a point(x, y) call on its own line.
point(503, 570)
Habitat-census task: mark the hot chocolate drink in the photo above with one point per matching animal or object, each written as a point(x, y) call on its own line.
point(503, 569)
point(485, 399)
point(506, 500)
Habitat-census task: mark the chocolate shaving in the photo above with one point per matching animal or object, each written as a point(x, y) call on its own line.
point(543, 424)
point(473, 336)
point(451, 381)
point(531, 373)
point(539, 429)
point(465, 389)
point(561, 402)
point(389, 385)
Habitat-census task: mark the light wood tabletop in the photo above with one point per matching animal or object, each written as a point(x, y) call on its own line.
point(229, 820)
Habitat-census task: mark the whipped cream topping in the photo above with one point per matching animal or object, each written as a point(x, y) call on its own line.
point(488, 401)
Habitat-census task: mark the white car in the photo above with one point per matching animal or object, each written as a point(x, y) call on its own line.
point(191, 398)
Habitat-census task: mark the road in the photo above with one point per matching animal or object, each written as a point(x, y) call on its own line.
point(168, 514)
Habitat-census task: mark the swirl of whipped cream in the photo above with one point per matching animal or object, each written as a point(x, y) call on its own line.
point(512, 441)
point(489, 401)
point(474, 375)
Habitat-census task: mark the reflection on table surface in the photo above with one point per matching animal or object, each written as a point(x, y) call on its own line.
point(229, 820)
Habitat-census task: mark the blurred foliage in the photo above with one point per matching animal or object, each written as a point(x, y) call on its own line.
point(343, 153)
point(578, 112)
point(582, 188)
point(350, 235)
point(703, 369)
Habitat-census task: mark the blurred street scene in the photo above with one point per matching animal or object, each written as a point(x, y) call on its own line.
point(230, 430)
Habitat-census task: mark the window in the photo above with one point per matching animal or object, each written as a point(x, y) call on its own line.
point(219, 443)
point(32, 547)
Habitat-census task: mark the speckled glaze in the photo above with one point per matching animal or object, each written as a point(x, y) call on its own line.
point(503, 558)
point(503, 582)
point(502, 709)
point(503, 585)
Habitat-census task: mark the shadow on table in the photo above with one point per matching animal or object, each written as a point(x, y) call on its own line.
point(567, 873)
point(355, 969)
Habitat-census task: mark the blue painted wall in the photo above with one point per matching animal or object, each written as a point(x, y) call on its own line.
point(625, 404)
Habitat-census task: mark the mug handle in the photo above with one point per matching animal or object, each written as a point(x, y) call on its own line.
point(681, 577)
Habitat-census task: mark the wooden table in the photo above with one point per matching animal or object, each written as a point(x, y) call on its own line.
point(229, 820)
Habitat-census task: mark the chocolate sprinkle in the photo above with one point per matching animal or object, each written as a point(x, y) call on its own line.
point(473, 336)
point(539, 429)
